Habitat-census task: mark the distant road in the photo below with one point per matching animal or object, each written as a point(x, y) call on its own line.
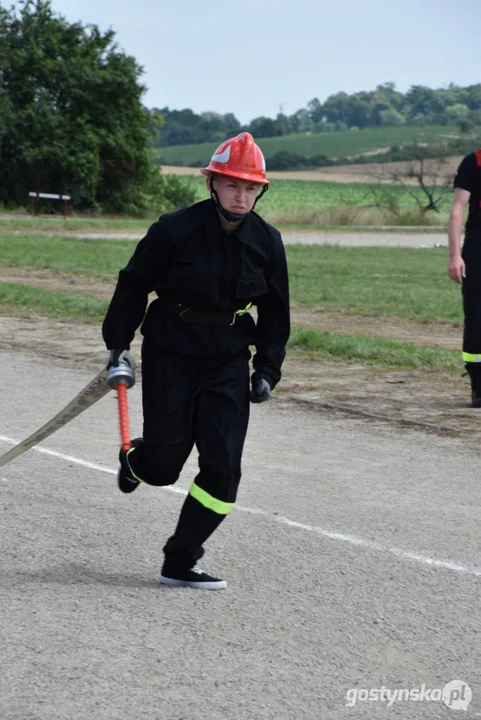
point(366, 239)
point(388, 237)
point(345, 239)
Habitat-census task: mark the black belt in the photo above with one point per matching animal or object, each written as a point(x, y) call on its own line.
point(208, 318)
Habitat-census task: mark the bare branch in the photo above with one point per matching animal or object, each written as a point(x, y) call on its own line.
point(424, 179)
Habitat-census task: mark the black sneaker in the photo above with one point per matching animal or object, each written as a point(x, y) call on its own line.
point(126, 481)
point(194, 578)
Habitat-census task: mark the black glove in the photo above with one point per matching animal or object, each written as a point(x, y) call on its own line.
point(261, 390)
point(117, 356)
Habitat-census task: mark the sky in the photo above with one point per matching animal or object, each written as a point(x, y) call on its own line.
point(261, 57)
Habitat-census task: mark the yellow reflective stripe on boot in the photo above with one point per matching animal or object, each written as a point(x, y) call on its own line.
point(130, 467)
point(242, 312)
point(211, 503)
point(469, 357)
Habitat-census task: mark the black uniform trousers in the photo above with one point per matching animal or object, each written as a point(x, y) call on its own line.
point(471, 290)
point(191, 401)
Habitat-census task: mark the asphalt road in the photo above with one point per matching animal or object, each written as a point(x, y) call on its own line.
point(303, 237)
point(388, 237)
point(366, 239)
point(352, 560)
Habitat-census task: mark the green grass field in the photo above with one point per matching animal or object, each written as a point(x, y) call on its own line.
point(100, 259)
point(331, 144)
point(404, 282)
point(376, 281)
point(380, 282)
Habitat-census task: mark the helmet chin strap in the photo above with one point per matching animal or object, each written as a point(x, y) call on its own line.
point(231, 216)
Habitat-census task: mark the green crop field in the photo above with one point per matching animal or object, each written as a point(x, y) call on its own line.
point(331, 144)
point(294, 203)
point(316, 202)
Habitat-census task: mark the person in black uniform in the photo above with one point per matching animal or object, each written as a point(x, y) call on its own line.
point(208, 264)
point(464, 266)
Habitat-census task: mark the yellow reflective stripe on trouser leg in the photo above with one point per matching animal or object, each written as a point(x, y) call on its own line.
point(469, 357)
point(210, 502)
point(130, 467)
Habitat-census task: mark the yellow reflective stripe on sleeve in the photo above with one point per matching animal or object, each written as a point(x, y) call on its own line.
point(246, 309)
point(469, 357)
point(210, 502)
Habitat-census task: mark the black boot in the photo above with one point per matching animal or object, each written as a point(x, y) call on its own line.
point(474, 372)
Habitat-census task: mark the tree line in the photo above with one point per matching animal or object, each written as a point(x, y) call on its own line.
point(383, 107)
point(72, 119)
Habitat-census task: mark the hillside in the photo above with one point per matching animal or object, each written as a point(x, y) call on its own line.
point(348, 144)
point(355, 173)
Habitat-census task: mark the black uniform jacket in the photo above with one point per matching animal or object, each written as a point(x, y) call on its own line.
point(468, 177)
point(186, 257)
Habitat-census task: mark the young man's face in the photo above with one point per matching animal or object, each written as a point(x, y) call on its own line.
point(236, 196)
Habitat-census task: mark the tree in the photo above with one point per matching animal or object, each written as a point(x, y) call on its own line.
point(281, 124)
point(231, 125)
point(336, 108)
point(422, 100)
point(430, 177)
point(315, 111)
point(455, 113)
point(72, 120)
point(425, 180)
point(262, 127)
point(359, 110)
point(391, 118)
point(473, 100)
point(301, 122)
point(184, 127)
point(389, 94)
point(465, 126)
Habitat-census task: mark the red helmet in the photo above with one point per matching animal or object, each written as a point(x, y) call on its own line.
point(239, 157)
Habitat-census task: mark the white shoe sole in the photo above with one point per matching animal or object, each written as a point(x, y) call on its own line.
point(173, 582)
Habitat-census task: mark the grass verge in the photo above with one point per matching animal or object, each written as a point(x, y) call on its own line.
point(24, 301)
point(97, 258)
point(370, 350)
point(57, 224)
point(396, 282)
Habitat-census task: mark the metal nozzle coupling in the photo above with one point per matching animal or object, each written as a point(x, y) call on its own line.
point(121, 373)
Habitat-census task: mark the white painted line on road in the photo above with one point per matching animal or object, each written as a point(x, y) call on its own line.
point(75, 460)
point(79, 461)
point(341, 537)
point(369, 544)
